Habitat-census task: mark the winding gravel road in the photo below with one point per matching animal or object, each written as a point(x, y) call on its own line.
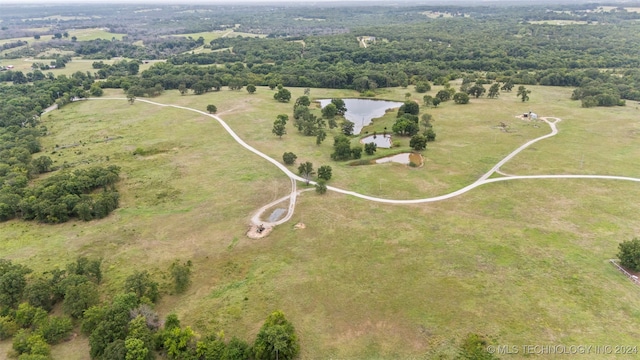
point(484, 179)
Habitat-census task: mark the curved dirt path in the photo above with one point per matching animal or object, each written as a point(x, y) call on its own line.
point(484, 179)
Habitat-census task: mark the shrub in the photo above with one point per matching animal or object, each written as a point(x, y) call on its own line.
point(181, 274)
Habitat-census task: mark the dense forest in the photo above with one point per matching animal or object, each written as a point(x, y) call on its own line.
point(127, 327)
point(68, 193)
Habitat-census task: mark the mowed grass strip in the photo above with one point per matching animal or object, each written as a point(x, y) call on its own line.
point(524, 261)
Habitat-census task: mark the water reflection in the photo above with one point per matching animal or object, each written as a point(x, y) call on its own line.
point(362, 111)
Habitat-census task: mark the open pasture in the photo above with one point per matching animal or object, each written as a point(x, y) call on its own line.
point(525, 259)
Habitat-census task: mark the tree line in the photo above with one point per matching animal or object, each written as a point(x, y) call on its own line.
point(82, 193)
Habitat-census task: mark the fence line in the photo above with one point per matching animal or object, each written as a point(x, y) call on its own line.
point(632, 277)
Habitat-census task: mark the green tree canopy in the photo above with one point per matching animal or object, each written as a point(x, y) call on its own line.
point(276, 339)
point(12, 282)
point(283, 95)
point(289, 158)
point(629, 254)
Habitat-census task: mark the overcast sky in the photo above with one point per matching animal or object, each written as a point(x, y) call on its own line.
point(205, 2)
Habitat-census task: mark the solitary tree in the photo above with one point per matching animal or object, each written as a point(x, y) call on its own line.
point(303, 100)
point(494, 91)
point(276, 339)
point(356, 152)
point(418, 142)
point(212, 109)
point(289, 158)
point(370, 148)
point(409, 107)
point(347, 127)
point(324, 172)
point(629, 254)
point(461, 98)
point(306, 170)
point(443, 95)
point(507, 86)
point(427, 100)
point(340, 105)
point(131, 98)
point(342, 148)
point(523, 93)
point(476, 90)
point(181, 274)
point(320, 136)
point(283, 95)
point(430, 135)
point(425, 120)
point(251, 88)
point(329, 111)
point(182, 88)
point(279, 128)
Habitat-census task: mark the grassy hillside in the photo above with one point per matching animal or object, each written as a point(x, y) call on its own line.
point(524, 262)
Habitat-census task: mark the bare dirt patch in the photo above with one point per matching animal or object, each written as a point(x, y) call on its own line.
point(254, 232)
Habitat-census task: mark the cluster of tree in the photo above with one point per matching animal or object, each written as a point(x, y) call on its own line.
point(119, 68)
point(59, 197)
point(307, 123)
point(342, 149)
point(12, 44)
point(125, 328)
point(324, 174)
point(408, 124)
point(64, 195)
point(26, 301)
point(598, 93)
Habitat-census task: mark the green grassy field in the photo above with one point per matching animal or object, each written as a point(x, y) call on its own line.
point(206, 35)
point(81, 34)
point(562, 22)
point(524, 262)
point(71, 67)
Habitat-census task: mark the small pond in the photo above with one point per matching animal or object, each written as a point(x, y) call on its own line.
point(362, 111)
point(381, 141)
point(276, 214)
point(404, 158)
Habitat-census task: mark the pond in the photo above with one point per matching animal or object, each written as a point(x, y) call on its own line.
point(362, 111)
point(381, 140)
point(404, 158)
